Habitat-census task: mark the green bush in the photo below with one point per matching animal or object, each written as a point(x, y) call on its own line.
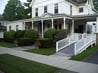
point(31, 34)
point(50, 33)
point(9, 36)
point(61, 34)
point(19, 34)
point(46, 43)
point(24, 41)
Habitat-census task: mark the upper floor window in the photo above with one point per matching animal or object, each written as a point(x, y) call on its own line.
point(36, 11)
point(45, 9)
point(81, 10)
point(56, 8)
point(70, 9)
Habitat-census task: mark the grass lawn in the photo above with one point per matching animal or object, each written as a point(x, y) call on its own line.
point(6, 44)
point(12, 64)
point(43, 51)
point(84, 55)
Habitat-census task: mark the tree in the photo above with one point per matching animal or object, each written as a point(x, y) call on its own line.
point(28, 11)
point(96, 4)
point(13, 10)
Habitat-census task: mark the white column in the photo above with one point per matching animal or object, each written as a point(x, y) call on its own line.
point(52, 23)
point(42, 29)
point(97, 25)
point(72, 25)
point(64, 23)
point(32, 25)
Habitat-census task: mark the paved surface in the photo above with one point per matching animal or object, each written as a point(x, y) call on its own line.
point(93, 58)
point(24, 48)
point(60, 62)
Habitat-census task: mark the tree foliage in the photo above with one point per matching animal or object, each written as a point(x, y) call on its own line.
point(28, 11)
point(13, 10)
point(96, 4)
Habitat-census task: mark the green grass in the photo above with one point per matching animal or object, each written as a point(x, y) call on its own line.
point(84, 55)
point(12, 64)
point(6, 44)
point(43, 51)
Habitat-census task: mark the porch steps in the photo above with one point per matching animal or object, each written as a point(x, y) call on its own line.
point(68, 51)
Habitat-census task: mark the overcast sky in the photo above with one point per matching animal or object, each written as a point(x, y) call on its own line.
point(3, 3)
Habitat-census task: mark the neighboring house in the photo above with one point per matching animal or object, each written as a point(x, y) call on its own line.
point(3, 25)
point(77, 16)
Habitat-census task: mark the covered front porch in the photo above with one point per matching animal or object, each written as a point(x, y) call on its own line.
point(49, 21)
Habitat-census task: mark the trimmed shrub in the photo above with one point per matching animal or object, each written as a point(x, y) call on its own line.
point(31, 34)
point(19, 34)
point(9, 36)
point(46, 43)
point(61, 34)
point(50, 33)
point(24, 41)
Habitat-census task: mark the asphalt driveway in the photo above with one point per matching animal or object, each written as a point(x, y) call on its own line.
point(93, 58)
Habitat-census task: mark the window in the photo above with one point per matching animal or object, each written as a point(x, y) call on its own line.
point(56, 8)
point(81, 10)
point(70, 9)
point(45, 9)
point(9, 28)
point(17, 27)
point(36, 11)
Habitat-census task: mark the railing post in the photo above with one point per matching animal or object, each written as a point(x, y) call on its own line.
point(75, 53)
point(56, 46)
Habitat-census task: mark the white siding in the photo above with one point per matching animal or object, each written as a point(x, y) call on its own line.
point(63, 6)
point(13, 25)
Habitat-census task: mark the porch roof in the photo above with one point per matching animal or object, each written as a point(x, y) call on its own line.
point(47, 16)
point(85, 16)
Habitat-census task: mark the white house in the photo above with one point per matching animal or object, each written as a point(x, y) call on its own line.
point(58, 14)
point(78, 16)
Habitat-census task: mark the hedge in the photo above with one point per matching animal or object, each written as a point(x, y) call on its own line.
point(46, 43)
point(24, 41)
point(19, 34)
point(9, 36)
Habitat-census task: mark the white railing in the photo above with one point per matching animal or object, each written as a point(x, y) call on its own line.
point(85, 41)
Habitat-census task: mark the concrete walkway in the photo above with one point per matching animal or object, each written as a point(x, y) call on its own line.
point(60, 62)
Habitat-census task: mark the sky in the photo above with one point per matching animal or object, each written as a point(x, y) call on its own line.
point(3, 3)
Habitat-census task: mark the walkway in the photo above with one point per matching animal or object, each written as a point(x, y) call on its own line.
point(60, 62)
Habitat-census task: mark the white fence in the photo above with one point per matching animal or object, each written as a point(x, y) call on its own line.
point(80, 41)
